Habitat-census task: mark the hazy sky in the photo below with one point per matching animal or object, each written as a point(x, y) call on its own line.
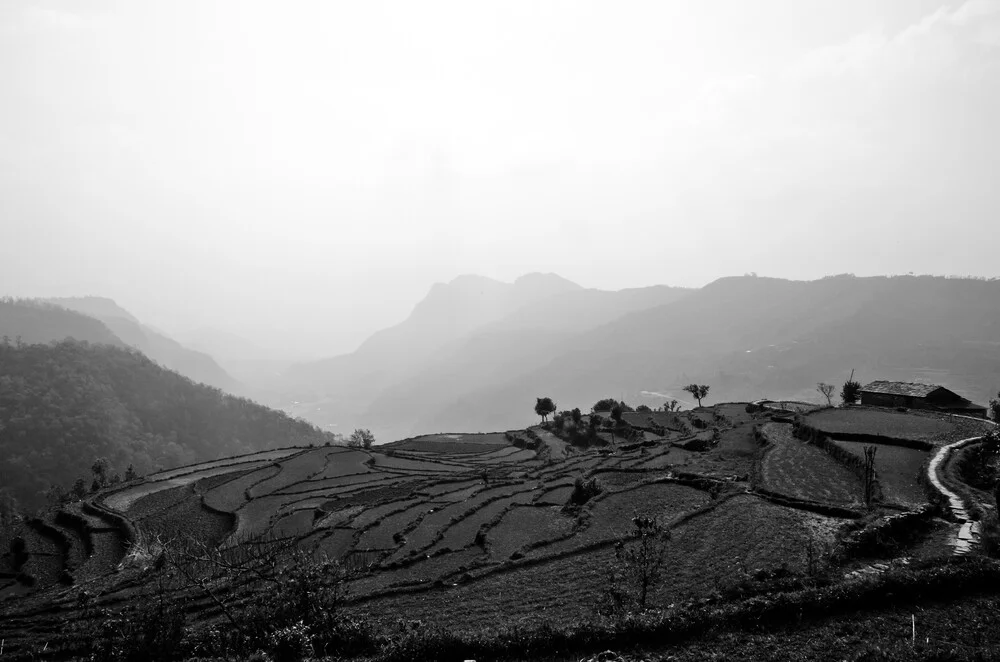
point(302, 172)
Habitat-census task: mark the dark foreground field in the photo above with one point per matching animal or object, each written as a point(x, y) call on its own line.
point(479, 545)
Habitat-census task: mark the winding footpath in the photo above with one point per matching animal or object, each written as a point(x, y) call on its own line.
point(968, 532)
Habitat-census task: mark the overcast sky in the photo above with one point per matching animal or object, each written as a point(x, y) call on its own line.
point(302, 172)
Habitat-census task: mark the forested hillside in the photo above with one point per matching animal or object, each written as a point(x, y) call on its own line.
point(64, 405)
point(164, 350)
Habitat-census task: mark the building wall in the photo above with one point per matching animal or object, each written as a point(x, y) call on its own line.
point(888, 400)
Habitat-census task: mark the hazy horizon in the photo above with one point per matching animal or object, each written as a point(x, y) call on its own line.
point(301, 174)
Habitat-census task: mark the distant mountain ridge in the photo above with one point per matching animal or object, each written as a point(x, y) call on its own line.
point(460, 332)
point(762, 337)
point(747, 337)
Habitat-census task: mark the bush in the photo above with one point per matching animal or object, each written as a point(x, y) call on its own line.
point(978, 465)
point(152, 630)
point(583, 491)
point(607, 404)
point(558, 420)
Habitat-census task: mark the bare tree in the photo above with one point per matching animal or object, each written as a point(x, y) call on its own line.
point(827, 391)
point(870, 476)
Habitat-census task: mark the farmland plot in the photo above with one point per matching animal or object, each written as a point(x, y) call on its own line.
point(742, 534)
point(526, 525)
point(555, 497)
point(338, 485)
point(797, 469)
point(122, 499)
point(453, 443)
point(404, 465)
point(881, 422)
point(233, 463)
point(294, 470)
point(381, 535)
point(231, 496)
point(898, 470)
point(372, 514)
point(462, 533)
point(562, 591)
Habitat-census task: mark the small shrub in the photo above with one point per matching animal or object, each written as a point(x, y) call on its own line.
point(583, 491)
point(290, 643)
point(989, 536)
point(638, 568)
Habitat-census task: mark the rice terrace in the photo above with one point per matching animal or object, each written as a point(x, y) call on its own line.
point(526, 544)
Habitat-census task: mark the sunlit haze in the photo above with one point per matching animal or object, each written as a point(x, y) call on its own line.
point(300, 173)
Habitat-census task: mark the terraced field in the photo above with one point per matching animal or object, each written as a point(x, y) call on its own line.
point(463, 530)
point(899, 471)
point(882, 422)
point(794, 468)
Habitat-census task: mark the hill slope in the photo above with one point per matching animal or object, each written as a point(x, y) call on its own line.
point(64, 405)
point(168, 352)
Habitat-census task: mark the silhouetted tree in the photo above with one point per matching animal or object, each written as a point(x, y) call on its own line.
point(577, 415)
point(850, 392)
point(361, 438)
point(544, 407)
point(592, 426)
point(827, 391)
point(697, 391)
point(671, 405)
point(100, 471)
point(643, 408)
point(558, 420)
point(616, 413)
point(995, 409)
point(130, 473)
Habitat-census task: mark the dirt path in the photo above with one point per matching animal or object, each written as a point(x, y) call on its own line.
point(967, 536)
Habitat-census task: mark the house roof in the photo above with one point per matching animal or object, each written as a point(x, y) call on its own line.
point(900, 388)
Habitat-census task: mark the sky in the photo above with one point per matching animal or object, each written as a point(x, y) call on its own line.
point(300, 173)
